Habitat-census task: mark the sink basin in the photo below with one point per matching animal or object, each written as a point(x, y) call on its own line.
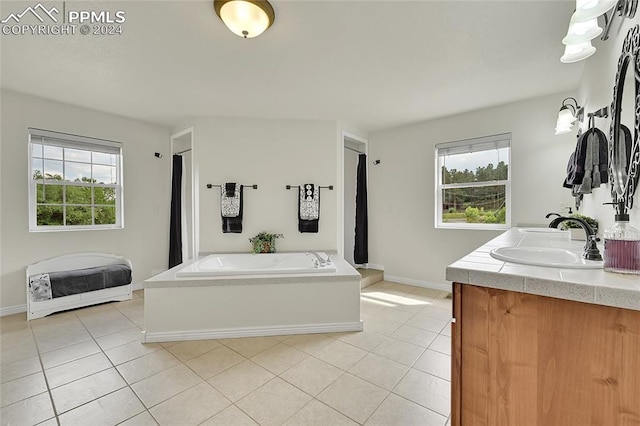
point(544, 256)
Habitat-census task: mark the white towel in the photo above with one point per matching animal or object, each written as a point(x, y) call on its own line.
point(230, 206)
point(309, 202)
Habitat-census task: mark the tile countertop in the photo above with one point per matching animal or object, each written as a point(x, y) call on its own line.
point(582, 285)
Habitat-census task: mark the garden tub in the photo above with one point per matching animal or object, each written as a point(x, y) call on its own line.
point(255, 264)
point(206, 298)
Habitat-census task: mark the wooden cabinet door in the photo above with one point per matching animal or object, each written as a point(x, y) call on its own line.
point(521, 359)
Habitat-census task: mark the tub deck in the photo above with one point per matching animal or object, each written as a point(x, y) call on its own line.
point(195, 308)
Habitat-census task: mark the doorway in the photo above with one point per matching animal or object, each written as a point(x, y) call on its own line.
point(352, 147)
point(182, 143)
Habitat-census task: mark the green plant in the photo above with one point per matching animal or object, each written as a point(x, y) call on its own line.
point(264, 242)
point(571, 224)
point(472, 214)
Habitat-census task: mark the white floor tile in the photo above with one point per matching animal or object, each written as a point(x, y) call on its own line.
point(429, 391)
point(353, 397)
point(274, 402)
point(78, 349)
point(399, 411)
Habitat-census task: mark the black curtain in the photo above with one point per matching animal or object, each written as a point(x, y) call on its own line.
point(175, 230)
point(361, 249)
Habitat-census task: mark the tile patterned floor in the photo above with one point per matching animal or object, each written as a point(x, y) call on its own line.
point(88, 367)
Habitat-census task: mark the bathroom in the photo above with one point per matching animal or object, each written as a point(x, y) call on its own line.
point(277, 140)
point(277, 152)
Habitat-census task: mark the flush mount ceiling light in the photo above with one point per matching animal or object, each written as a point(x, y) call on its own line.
point(569, 112)
point(245, 18)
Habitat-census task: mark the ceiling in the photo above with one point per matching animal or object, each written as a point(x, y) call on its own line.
point(371, 64)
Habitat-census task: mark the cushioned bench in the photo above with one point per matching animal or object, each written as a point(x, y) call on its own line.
point(76, 280)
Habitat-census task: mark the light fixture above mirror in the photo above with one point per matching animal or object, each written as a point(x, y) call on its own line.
point(587, 10)
point(584, 27)
point(569, 112)
point(245, 18)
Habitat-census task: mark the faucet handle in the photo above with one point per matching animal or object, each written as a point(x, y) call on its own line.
point(591, 251)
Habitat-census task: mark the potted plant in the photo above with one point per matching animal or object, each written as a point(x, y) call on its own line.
point(576, 230)
point(264, 242)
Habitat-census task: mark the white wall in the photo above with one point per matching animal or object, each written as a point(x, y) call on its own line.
point(595, 92)
point(271, 154)
point(144, 239)
point(402, 235)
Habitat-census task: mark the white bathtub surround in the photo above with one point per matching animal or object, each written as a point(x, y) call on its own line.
point(233, 305)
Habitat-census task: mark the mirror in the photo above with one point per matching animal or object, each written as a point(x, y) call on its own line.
point(624, 149)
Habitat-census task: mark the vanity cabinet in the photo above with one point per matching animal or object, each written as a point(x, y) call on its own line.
point(522, 359)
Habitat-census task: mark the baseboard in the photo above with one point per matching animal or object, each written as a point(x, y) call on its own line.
point(419, 283)
point(137, 286)
point(374, 266)
point(174, 336)
point(10, 310)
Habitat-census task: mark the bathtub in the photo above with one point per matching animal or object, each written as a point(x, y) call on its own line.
point(254, 264)
point(244, 295)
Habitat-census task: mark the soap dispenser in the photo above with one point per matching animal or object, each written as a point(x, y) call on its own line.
point(622, 245)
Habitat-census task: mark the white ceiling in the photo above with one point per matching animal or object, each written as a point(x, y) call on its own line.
point(371, 64)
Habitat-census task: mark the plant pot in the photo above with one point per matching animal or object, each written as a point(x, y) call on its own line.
point(263, 247)
point(578, 234)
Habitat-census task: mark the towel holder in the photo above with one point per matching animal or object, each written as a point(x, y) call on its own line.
point(209, 186)
point(330, 187)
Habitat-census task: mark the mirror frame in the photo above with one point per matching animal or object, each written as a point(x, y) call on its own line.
point(629, 62)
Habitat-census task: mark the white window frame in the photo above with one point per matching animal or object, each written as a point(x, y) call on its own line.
point(486, 143)
point(64, 140)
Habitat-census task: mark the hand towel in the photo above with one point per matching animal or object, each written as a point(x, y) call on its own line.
point(230, 200)
point(591, 141)
point(231, 208)
point(309, 201)
point(309, 208)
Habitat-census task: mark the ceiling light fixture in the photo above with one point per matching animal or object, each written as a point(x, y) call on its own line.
point(245, 18)
point(569, 112)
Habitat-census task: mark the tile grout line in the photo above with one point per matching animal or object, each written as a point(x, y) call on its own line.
point(46, 380)
point(112, 366)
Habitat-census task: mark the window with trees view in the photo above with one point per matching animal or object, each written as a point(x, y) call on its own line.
point(75, 182)
point(473, 183)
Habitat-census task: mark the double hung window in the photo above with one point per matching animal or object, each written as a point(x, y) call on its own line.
point(75, 182)
point(473, 183)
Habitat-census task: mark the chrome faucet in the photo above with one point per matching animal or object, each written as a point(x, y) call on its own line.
point(591, 251)
point(319, 261)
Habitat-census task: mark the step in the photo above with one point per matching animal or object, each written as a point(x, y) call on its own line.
point(370, 276)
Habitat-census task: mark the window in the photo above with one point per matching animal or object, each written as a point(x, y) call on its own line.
point(473, 183)
point(75, 182)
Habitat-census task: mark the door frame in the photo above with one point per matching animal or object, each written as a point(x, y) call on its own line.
point(195, 199)
point(362, 143)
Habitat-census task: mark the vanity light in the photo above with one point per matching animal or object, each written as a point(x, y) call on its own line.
point(583, 26)
point(577, 52)
point(580, 32)
point(587, 10)
point(245, 18)
point(569, 112)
